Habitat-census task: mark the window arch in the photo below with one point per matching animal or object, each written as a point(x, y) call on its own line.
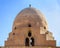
point(29, 34)
point(32, 41)
point(27, 42)
point(29, 25)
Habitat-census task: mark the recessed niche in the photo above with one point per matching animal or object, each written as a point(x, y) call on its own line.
point(13, 33)
point(15, 28)
point(44, 27)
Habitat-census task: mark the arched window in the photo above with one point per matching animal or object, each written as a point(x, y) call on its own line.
point(32, 41)
point(29, 34)
point(27, 42)
point(29, 25)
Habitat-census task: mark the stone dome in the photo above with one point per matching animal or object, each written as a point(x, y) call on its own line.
point(32, 16)
point(30, 30)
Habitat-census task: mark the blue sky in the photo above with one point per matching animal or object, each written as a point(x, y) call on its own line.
point(10, 8)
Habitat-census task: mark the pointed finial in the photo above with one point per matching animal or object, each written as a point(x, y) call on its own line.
point(29, 5)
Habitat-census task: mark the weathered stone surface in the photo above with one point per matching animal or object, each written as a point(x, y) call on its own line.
point(30, 24)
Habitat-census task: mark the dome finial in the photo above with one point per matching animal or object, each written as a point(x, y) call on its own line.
point(29, 5)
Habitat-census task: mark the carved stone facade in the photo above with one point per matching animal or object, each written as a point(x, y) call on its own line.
point(30, 30)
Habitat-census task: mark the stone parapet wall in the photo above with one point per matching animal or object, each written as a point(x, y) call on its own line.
point(29, 47)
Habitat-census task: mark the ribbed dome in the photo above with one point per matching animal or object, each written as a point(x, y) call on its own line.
point(30, 15)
